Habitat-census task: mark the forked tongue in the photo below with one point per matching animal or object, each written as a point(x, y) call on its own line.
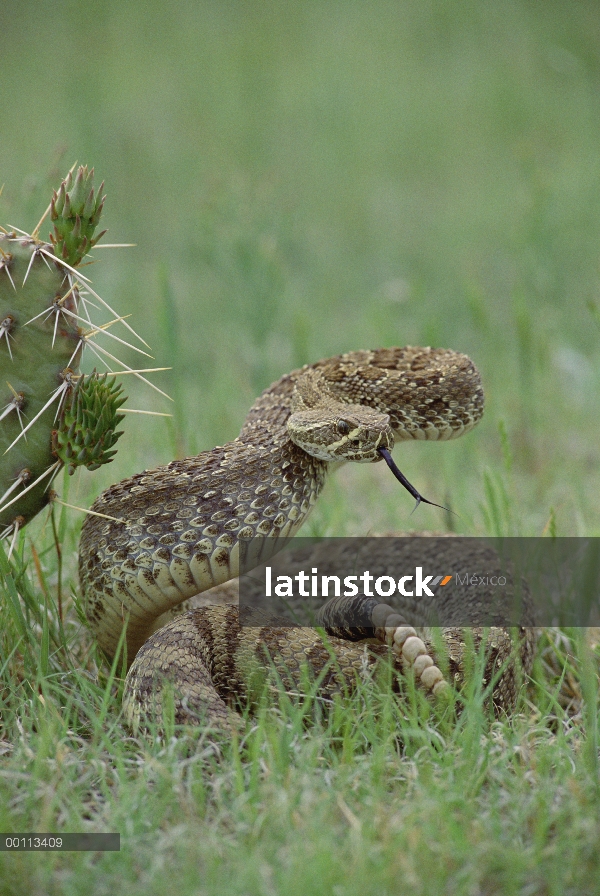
point(386, 454)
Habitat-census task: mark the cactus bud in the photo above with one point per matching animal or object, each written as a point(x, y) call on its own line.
point(88, 422)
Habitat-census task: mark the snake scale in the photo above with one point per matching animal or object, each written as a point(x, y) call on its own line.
point(165, 535)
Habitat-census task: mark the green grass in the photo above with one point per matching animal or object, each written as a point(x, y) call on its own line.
point(374, 797)
point(303, 179)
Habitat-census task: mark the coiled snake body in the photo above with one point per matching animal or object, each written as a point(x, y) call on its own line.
point(186, 527)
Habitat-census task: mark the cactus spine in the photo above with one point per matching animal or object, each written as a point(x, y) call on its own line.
point(50, 415)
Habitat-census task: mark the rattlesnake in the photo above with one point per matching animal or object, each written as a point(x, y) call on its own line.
point(165, 535)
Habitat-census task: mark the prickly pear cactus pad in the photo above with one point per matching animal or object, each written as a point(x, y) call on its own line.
point(51, 415)
point(35, 361)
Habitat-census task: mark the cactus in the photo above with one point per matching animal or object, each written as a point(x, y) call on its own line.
point(50, 415)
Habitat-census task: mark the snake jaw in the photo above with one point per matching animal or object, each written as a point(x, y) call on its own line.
point(386, 454)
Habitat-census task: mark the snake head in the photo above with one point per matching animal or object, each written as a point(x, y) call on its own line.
point(341, 432)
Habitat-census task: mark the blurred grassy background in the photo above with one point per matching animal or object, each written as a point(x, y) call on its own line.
point(303, 179)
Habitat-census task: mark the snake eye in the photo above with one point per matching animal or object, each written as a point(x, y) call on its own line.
point(343, 428)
